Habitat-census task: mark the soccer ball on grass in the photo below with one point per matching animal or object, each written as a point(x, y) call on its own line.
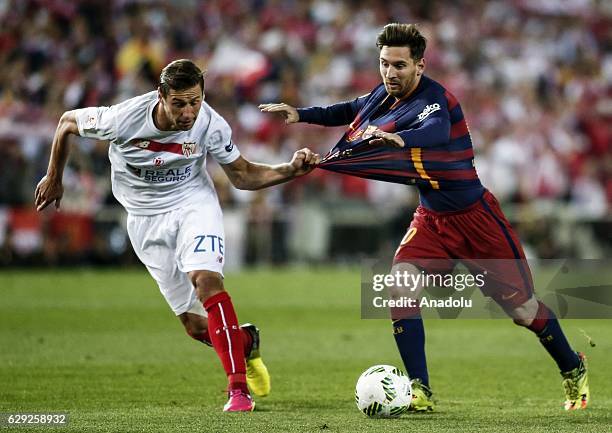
point(383, 391)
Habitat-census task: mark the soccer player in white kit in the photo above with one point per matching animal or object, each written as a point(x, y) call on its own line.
point(158, 147)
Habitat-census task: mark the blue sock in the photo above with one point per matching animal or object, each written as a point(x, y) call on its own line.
point(410, 339)
point(547, 328)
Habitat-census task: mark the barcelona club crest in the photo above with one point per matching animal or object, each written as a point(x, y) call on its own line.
point(188, 148)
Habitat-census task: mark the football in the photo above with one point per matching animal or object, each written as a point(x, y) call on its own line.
point(383, 391)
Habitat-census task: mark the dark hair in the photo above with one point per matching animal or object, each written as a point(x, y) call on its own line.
point(180, 75)
point(403, 35)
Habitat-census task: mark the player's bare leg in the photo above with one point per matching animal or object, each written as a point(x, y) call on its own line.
point(225, 336)
point(409, 336)
point(258, 378)
point(538, 318)
point(196, 326)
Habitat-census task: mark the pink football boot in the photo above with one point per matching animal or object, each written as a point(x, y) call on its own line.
point(239, 401)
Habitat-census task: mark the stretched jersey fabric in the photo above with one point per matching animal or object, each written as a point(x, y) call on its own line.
point(153, 171)
point(438, 157)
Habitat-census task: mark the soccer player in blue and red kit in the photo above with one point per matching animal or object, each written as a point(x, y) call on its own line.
point(457, 219)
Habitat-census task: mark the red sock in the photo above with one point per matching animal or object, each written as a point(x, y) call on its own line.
point(247, 339)
point(541, 318)
point(399, 313)
point(226, 338)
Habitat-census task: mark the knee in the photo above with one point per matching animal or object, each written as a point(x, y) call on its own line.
point(396, 292)
point(206, 283)
point(524, 314)
point(522, 322)
point(405, 286)
point(404, 282)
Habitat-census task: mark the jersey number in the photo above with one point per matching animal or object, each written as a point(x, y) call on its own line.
point(407, 238)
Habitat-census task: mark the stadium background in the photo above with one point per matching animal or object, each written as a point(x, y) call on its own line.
point(83, 329)
point(533, 79)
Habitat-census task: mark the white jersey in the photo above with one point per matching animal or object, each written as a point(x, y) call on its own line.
point(153, 171)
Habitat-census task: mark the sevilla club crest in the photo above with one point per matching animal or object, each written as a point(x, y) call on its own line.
point(143, 144)
point(189, 148)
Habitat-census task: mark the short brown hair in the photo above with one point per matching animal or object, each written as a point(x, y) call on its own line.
point(180, 75)
point(403, 35)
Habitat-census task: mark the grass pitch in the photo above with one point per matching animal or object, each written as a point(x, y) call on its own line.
point(104, 347)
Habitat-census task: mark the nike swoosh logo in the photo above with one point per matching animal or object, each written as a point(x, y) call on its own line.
point(229, 147)
point(505, 298)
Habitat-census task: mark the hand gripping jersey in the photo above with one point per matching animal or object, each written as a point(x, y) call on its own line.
point(438, 157)
point(153, 171)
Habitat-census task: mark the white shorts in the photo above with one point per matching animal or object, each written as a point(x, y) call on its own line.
point(177, 242)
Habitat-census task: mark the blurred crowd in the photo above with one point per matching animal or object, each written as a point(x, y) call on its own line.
point(534, 80)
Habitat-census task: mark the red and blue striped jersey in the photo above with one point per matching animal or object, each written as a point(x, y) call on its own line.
point(438, 157)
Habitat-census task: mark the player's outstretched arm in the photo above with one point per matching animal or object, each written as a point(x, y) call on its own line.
point(50, 188)
point(338, 114)
point(249, 175)
point(290, 113)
